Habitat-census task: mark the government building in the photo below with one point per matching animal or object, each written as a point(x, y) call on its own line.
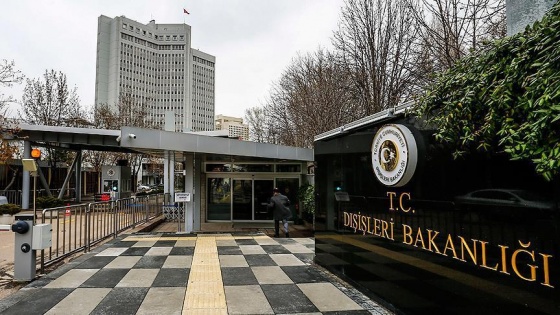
point(155, 64)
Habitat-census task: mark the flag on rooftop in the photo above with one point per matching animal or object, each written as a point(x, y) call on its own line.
point(185, 11)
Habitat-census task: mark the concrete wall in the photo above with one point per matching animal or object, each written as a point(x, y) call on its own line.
point(521, 13)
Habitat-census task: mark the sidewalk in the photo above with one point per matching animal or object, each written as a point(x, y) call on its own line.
point(165, 273)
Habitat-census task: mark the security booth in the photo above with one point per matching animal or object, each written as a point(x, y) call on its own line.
point(228, 180)
point(423, 233)
point(116, 181)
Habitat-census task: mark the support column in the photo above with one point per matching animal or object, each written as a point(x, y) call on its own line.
point(166, 172)
point(78, 188)
point(197, 189)
point(169, 174)
point(25, 179)
point(189, 187)
point(67, 178)
point(169, 160)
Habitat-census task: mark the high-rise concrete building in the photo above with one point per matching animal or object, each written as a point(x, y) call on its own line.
point(234, 125)
point(521, 13)
point(156, 65)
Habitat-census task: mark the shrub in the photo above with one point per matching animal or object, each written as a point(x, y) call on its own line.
point(306, 196)
point(49, 202)
point(10, 209)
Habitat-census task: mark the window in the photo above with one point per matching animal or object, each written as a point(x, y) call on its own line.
point(288, 168)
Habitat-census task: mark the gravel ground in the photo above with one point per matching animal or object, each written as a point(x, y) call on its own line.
point(7, 285)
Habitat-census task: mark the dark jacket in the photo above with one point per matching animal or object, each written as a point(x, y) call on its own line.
point(279, 205)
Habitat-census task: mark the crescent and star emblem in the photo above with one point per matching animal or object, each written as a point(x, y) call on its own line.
point(388, 155)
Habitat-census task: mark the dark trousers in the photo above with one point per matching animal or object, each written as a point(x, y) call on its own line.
point(277, 227)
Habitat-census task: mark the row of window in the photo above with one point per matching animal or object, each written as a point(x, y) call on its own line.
point(140, 78)
point(203, 61)
point(149, 34)
point(252, 168)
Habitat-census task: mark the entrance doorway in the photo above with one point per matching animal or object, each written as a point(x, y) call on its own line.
point(263, 192)
point(242, 199)
point(246, 199)
point(250, 199)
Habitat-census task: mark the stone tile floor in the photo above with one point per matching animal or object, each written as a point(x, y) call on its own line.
point(164, 273)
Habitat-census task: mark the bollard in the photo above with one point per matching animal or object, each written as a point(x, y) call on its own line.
point(24, 256)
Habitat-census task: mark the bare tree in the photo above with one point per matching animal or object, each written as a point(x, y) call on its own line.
point(259, 130)
point(8, 77)
point(127, 112)
point(385, 53)
point(375, 40)
point(317, 97)
point(312, 96)
point(49, 101)
point(450, 29)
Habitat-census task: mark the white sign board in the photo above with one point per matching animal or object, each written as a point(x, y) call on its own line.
point(182, 197)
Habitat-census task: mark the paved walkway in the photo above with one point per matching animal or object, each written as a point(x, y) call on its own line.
point(163, 273)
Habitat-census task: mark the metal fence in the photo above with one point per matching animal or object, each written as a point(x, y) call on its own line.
point(76, 228)
point(15, 196)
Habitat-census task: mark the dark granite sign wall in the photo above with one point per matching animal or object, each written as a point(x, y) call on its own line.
point(476, 235)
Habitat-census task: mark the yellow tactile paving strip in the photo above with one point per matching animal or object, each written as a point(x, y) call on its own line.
point(205, 291)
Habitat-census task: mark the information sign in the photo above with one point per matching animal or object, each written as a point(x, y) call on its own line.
point(183, 197)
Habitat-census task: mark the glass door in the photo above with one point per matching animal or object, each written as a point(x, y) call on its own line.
point(263, 192)
point(242, 205)
point(219, 199)
point(289, 188)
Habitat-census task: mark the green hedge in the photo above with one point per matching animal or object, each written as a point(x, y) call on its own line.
point(306, 196)
point(49, 202)
point(9, 208)
point(504, 99)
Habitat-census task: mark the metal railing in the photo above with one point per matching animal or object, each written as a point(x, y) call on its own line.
point(77, 228)
point(15, 196)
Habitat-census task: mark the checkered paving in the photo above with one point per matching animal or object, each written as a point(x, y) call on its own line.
point(204, 274)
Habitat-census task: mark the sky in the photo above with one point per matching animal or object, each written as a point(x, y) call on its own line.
point(253, 40)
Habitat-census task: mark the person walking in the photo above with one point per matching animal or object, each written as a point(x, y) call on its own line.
point(280, 211)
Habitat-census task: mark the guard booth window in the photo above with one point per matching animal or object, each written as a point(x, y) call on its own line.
point(110, 185)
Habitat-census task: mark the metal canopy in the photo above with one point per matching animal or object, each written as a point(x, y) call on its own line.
point(383, 115)
point(156, 142)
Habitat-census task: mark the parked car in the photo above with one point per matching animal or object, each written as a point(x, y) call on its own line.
point(143, 188)
point(505, 198)
point(500, 205)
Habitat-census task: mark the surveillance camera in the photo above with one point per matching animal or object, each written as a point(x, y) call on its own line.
point(132, 136)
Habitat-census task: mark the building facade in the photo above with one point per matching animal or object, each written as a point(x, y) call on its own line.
point(424, 233)
point(156, 66)
point(235, 126)
point(521, 13)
